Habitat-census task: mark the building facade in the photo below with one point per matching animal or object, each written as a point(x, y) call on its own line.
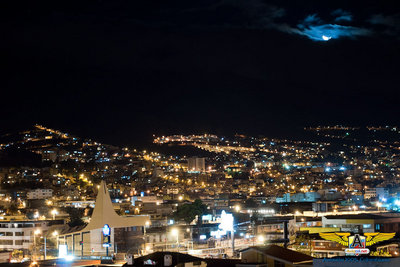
point(196, 164)
point(40, 194)
point(20, 234)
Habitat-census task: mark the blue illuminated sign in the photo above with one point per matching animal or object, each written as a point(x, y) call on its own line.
point(106, 230)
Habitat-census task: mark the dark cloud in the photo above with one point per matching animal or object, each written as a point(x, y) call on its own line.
point(323, 25)
point(316, 29)
point(255, 13)
point(255, 8)
point(389, 20)
point(389, 24)
point(312, 19)
point(325, 32)
point(342, 15)
point(261, 15)
point(221, 14)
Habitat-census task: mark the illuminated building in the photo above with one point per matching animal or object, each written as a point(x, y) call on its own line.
point(196, 164)
point(363, 223)
point(126, 232)
point(19, 234)
point(40, 194)
point(378, 192)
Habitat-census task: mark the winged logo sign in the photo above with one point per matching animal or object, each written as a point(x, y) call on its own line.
point(357, 244)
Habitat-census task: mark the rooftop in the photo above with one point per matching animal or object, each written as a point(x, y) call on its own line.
point(364, 216)
point(282, 253)
point(157, 258)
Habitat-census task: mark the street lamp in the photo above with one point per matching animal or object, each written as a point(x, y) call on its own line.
point(55, 234)
point(147, 223)
point(379, 204)
point(237, 208)
point(261, 239)
point(36, 232)
point(54, 212)
point(296, 213)
point(175, 232)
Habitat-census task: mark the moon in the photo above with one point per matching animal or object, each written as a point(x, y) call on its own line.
point(326, 38)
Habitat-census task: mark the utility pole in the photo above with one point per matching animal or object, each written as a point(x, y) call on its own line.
point(145, 235)
point(81, 245)
point(233, 242)
point(253, 230)
point(36, 232)
point(45, 247)
point(177, 240)
point(285, 234)
point(34, 246)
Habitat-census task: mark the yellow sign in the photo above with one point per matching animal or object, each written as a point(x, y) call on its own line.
point(357, 243)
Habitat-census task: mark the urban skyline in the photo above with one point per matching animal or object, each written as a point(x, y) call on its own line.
point(349, 183)
point(200, 133)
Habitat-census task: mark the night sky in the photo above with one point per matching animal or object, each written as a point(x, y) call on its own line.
point(120, 71)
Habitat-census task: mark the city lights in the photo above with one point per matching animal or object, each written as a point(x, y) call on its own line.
point(188, 208)
point(200, 133)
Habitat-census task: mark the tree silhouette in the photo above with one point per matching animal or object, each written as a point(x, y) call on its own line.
point(188, 212)
point(75, 216)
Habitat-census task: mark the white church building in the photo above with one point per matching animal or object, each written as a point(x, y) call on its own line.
point(126, 231)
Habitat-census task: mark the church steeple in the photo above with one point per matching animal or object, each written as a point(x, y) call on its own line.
point(104, 213)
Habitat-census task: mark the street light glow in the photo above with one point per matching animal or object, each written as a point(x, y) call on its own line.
point(175, 232)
